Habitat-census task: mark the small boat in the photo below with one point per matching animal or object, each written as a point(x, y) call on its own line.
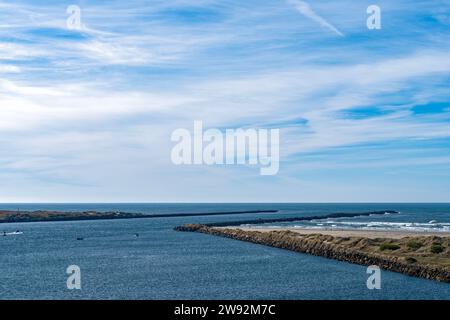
point(79, 238)
point(14, 233)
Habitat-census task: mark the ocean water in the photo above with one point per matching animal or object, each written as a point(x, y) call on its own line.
point(417, 218)
point(164, 264)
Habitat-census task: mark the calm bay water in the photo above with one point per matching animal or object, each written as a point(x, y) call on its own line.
point(164, 264)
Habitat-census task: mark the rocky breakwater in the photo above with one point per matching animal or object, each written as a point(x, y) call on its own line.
point(9, 216)
point(424, 257)
point(301, 218)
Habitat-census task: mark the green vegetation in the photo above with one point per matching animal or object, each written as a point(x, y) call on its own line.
point(414, 244)
point(389, 246)
point(436, 248)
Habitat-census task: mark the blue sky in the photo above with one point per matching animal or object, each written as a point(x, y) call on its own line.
point(86, 115)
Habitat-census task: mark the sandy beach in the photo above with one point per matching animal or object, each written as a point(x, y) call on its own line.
point(373, 234)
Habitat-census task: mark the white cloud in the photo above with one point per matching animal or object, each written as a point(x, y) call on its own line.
point(305, 9)
point(77, 115)
point(5, 68)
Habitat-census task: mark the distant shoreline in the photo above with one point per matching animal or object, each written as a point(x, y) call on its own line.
point(301, 218)
point(10, 216)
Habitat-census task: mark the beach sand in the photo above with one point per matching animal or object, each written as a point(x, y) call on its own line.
point(373, 234)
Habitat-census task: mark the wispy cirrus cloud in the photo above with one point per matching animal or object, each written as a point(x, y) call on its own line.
point(79, 105)
point(305, 9)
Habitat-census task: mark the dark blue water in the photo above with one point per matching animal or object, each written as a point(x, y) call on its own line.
point(164, 264)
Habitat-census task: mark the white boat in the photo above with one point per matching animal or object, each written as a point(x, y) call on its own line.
point(12, 233)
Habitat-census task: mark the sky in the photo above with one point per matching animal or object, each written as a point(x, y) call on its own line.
point(86, 114)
